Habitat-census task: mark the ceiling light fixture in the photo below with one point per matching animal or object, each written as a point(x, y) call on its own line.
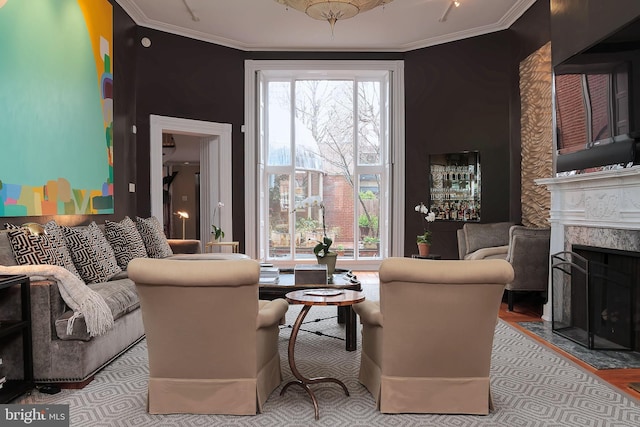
point(450, 6)
point(333, 10)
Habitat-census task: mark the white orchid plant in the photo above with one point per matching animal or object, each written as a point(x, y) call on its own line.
point(215, 230)
point(323, 248)
point(427, 218)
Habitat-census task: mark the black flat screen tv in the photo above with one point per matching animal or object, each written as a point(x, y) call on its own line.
point(597, 104)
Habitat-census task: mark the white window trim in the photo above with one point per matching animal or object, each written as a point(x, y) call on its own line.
point(397, 142)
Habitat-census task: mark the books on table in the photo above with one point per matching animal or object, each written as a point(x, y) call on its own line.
point(269, 274)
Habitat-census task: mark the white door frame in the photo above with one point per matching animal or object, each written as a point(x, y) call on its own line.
point(215, 169)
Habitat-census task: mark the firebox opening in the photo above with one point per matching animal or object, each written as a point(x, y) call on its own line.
point(596, 301)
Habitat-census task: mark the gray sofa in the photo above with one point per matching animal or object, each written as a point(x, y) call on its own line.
point(59, 357)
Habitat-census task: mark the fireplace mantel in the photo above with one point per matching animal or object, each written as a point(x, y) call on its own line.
point(609, 199)
point(606, 202)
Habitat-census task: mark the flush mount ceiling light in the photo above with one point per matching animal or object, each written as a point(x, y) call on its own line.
point(333, 10)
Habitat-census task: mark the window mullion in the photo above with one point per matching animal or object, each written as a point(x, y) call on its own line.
point(292, 165)
point(356, 169)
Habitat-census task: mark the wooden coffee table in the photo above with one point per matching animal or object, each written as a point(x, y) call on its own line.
point(342, 279)
point(309, 298)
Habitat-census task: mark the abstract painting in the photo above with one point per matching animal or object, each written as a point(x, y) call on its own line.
point(56, 107)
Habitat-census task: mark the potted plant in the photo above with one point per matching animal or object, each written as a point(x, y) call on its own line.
point(324, 255)
point(370, 242)
point(424, 240)
point(368, 224)
point(216, 232)
point(322, 250)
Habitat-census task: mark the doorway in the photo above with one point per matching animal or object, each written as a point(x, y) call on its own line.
point(215, 170)
point(181, 186)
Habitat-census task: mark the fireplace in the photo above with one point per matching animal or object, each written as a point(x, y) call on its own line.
point(595, 297)
point(597, 217)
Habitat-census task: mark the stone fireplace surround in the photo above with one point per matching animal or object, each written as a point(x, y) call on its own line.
point(600, 209)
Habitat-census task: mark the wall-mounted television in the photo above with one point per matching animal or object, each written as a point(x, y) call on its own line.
point(597, 104)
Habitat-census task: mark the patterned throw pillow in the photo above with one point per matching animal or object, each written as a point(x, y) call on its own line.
point(91, 253)
point(153, 237)
point(62, 255)
point(125, 240)
point(30, 248)
point(105, 252)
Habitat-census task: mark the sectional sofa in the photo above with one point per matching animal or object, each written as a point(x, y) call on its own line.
point(63, 354)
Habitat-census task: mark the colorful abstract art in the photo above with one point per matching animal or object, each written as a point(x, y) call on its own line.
point(56, 107)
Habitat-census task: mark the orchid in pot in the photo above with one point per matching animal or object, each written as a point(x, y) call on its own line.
point(424, 240)
point(215, 230)
point(322, 249)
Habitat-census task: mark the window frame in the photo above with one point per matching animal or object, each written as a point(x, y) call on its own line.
point(254, 162)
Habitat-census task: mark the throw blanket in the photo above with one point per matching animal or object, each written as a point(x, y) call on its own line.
point(84, 301)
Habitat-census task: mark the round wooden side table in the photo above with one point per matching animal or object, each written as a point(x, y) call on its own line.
point(309, 298)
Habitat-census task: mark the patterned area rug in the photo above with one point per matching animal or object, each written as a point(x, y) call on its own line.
point(599, 359)
point(531, 385)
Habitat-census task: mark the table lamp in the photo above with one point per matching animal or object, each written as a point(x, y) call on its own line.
point(184, 216)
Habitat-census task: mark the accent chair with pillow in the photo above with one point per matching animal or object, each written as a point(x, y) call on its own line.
point(526, 248)
point(484, 241)
point(426, 345)
point(213, 346)
point(528, 253)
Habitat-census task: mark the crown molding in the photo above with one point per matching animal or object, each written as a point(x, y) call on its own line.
point(504, 23)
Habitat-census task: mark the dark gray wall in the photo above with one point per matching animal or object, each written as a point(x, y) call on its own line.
point(191, 79)
point(460, 96)
point(457, 99)
point(124, 145)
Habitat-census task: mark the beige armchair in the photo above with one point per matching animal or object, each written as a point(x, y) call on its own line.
point(529, 255)
point(213, 347)
point(426, 346)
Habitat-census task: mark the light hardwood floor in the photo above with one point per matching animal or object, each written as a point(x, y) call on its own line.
point(527, 310)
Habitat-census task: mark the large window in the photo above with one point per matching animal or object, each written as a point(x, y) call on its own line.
point(325, 147)
point(323, 143)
